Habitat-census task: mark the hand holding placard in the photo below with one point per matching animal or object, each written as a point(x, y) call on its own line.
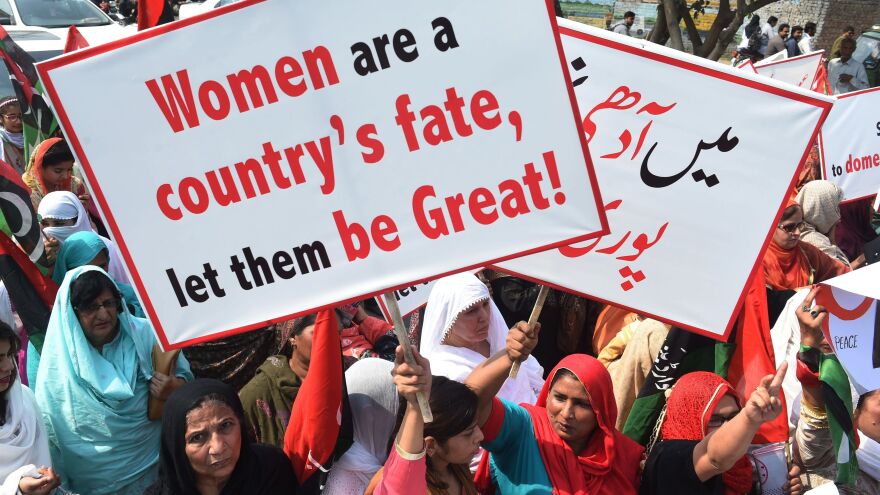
point(533, 320)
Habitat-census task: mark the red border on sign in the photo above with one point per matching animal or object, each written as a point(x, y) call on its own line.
point(732, 78)
point(45, 68)
point(819, 53)
point(822, 146)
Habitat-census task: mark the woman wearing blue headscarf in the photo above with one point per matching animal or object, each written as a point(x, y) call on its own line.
point(93, 385)
point(80, 249)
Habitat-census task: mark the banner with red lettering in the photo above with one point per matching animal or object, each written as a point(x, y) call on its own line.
point(326, 152)
point(853, 324)
point(849, 144)
point(692, 186)
point(800, 71)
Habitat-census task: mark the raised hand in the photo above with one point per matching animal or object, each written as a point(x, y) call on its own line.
point(810, 318)
point(411, 379)
point(764, 404)
point(521, 341)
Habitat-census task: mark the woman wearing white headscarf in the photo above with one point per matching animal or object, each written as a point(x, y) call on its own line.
point(820, 201)
point(62, 214)
point(374, 404)
point(463, 327)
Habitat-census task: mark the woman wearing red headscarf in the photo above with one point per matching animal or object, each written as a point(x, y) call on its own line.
point(566, 443)
point(789, 263)
point(51, 169)
point(705, 434)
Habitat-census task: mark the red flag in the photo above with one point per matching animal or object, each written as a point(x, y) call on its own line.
point(317, 411)
point(821, 84)
point(151, 13)
point(75, 40)
point(754, 359)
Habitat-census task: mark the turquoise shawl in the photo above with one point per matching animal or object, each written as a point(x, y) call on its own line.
point(79, 249)
point(94, 403)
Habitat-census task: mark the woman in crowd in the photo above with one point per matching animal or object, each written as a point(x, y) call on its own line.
point(566, 442)
point(705, 433)
point(374, 405)
point(62, 214)
point(820, 202)
point(268, 397)
point(12, 150)
point(207, 450)
point(463, 327)
point(49, 169)
point(431, 458)
point(814, 448)
point(93, 384)
point(855, 227)
point(789, 263)
point(24, 450)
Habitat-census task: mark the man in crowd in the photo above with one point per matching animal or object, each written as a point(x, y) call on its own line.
point(777, 43)
point(848, 33)
point(805, 45)
point(791, 44)
point(767, 33)
point(844, 73)
point(623, 27)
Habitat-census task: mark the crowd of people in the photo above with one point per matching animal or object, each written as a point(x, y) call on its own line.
point(93, 406)
point(766, 40)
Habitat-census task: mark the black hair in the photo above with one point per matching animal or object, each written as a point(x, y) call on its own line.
point(810, 26)
point(790, 212)
point(849, 29)
point(849, 41)
point(796, 29)
point(57, 153)
point(772, 20)
point(454, 407)
point(563, 372)
point(782, 26)
point(300, 325)
point(88, 286)
point(865, 396)
point(629, 13)
point(8, 100)
point(6, 333)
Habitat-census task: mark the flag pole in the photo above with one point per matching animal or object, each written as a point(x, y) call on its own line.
point(533, 319)
point(403, 338)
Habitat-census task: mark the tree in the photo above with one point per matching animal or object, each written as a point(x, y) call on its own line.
point(728, 21)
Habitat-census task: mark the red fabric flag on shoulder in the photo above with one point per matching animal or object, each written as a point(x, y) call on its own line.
point(75, 40)
point(317, 411)
point(754, 359)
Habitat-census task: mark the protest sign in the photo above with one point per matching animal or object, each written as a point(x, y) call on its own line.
point(800, 71)
point(329, 157)
point(692, 190)
point(853, 324)
point(849, 144)
point(412, 297)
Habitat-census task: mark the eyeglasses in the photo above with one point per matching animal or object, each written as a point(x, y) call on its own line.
point(791, 228)
point(111, 305)
point(12, 116)
point(717, 421)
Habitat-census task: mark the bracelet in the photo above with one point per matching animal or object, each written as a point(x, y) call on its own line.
point(407, 456)
point(813, 413)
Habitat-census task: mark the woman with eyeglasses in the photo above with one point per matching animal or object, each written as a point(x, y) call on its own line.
point(705, 433)
point(791, 264)
point(820, 202)
point(12, 149)
point(93, 384)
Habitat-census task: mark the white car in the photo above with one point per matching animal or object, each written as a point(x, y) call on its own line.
point(190, 9)
point(40, 28)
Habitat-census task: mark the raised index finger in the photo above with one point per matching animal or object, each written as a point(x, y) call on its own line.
point(811, 296)
point(777, 379)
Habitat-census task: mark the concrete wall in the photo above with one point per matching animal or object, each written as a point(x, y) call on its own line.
point(831, 16)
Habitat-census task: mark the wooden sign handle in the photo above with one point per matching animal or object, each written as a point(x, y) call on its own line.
point(533, 319)
point(403, 338)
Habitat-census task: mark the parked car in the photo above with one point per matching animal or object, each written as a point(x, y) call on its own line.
point(40, 27)
point(868, 53)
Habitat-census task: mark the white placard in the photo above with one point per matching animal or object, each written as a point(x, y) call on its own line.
point(849, 144)
point(853, 324)
point(800, 71)
point(282, 156)
point(692, 184)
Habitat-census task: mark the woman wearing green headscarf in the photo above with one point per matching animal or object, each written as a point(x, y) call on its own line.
point(93, 384)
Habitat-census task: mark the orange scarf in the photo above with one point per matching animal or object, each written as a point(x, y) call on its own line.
point(33, 175)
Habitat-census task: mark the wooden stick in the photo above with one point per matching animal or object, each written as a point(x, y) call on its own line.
point(403, 338)
point(533, 319)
